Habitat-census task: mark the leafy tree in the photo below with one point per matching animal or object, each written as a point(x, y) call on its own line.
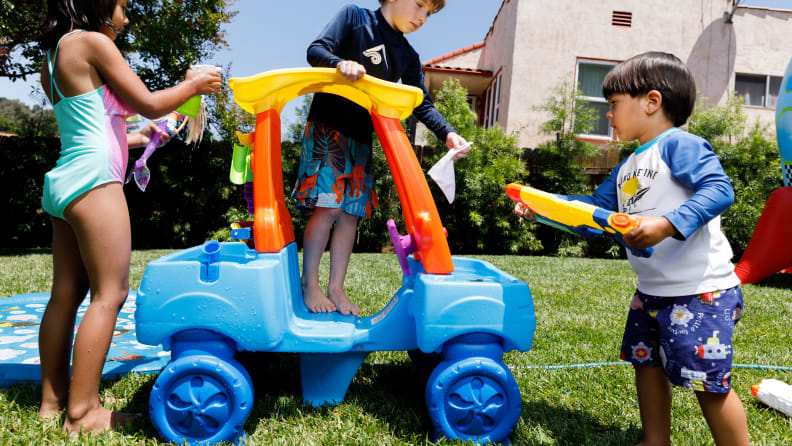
point(169, 35)
point(722, 124)
point(17, 118)
point(11, 112)
point(227, 117)
point(19, 23)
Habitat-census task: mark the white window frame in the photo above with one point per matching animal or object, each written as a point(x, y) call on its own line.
point(492, 101)
point(767, 78)
point(597, 99)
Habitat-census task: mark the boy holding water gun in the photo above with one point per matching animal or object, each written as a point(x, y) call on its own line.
point(682, 316)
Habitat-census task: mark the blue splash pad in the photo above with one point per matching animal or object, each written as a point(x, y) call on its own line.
point(20, 317)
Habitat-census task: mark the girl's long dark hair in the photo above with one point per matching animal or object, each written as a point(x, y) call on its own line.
point(65, 15)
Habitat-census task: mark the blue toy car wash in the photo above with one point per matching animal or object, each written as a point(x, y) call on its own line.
point(208, 302)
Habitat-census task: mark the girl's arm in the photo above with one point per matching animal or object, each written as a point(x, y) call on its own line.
point(105, 57)
point(142, 137)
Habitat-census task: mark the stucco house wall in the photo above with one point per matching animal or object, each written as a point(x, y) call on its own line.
point(535, 44)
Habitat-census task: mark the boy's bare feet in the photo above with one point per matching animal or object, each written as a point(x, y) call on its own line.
point(316, 301)
point(98, 420)
point(342, 302)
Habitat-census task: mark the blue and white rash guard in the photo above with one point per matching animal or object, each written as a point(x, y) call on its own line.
point(677, 176)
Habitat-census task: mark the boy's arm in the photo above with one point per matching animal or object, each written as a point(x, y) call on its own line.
point(321, 52)
point(605, 195)
point(695, 166)
point(426, 112)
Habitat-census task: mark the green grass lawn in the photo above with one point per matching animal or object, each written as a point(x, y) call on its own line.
point(580, 305)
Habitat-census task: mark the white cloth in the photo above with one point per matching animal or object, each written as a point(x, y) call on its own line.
point(443, 172)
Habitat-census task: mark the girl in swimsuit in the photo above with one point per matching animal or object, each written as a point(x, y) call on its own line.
point(92, 89)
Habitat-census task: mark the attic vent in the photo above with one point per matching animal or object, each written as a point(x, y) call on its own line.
point(621, 18)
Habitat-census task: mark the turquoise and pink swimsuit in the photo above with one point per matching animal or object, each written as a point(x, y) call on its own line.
point(92, 129)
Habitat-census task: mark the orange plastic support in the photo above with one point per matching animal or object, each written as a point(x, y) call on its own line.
point(420, 213)
point(272, 225)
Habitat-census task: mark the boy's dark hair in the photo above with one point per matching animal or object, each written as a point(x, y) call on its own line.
point(437, 5)
point(66, 15)
point(659, 71)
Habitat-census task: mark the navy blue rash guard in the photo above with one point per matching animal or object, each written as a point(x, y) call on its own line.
point(364, 36)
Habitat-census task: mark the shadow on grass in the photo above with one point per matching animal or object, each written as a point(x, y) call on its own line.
point(570, 427)
point(386, 392)
point(138, 402)
point(779, 280)
point(18, 252)
point(28, 397)
point(390, 393)
point(394, 395)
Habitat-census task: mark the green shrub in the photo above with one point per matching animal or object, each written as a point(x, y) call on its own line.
point(25, 160)
point(481, 218)
point(561, 171)
point(750, 159)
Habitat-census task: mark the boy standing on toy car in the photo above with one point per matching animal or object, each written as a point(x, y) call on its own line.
point(680, 324)
point(335, 177)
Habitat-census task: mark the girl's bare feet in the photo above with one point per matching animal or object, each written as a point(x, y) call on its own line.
point(316, 301)
point(342, 302)
point(98, 420)
point(47, 411)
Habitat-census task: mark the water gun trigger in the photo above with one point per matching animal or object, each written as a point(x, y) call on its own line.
point(616, 225)
point(622, 222)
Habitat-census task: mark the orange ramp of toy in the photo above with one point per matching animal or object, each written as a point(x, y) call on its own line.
point(265, 95)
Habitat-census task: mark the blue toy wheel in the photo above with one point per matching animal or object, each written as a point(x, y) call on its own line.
point(201, 399)
point(475, 398)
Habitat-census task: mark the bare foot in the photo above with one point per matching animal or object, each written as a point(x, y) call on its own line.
point(47, 411)
point(316, 301)
point(342, 302)
point(98, 420)
point(52, 407)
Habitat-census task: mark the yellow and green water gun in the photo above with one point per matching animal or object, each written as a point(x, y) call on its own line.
point(576, 217)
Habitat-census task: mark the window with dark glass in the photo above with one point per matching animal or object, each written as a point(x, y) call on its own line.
point(590, 75)
point(757, 90)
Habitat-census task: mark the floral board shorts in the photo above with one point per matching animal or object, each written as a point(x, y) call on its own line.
point(335, 172)
point(689, 336)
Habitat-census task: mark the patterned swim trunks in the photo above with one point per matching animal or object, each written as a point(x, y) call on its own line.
point(689, 336)
point(335, 172)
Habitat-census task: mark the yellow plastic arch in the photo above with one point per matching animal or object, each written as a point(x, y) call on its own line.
point(273, 89)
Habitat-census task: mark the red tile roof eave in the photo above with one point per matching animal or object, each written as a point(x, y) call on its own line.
point(455, 53)
point(458, 71)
